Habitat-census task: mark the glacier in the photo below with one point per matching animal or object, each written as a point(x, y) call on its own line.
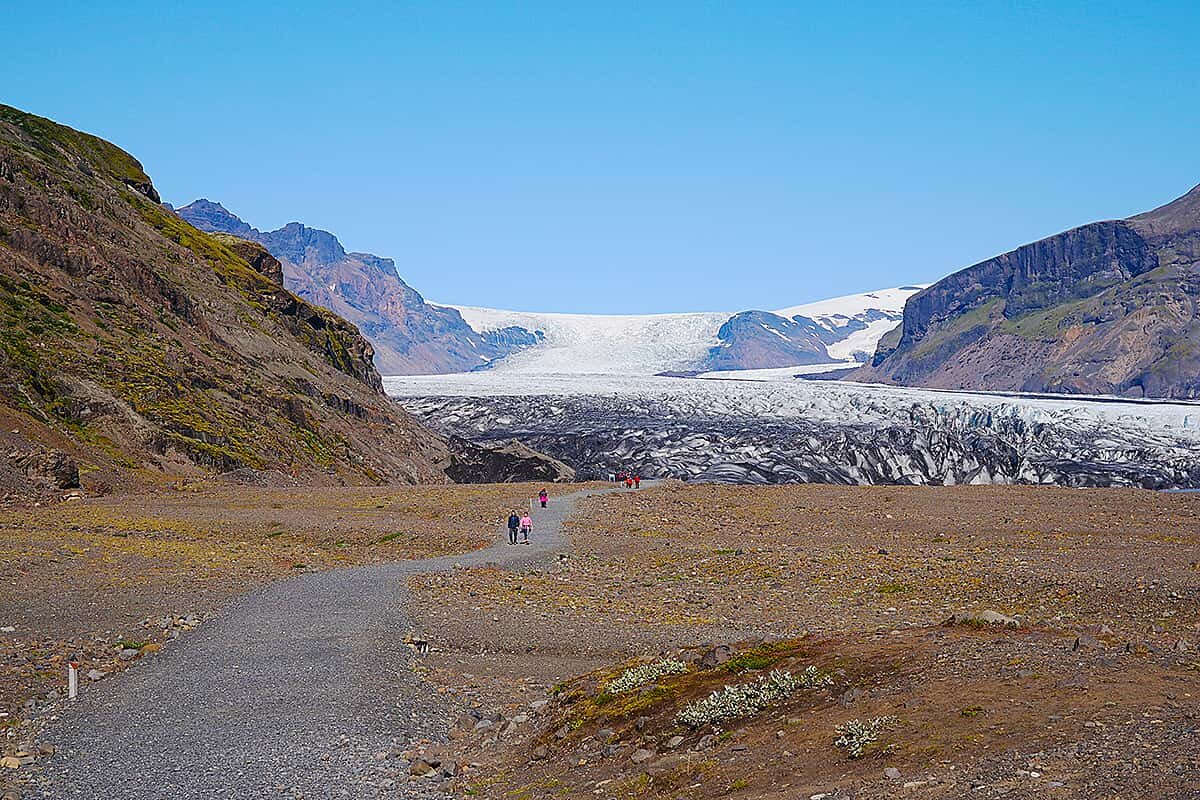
point(771, 428)
point(648, 344)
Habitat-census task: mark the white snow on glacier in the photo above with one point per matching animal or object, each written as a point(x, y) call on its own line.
point(834, 402)
point(648, 344)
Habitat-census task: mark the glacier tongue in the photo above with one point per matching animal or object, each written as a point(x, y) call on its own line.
point(828, 432)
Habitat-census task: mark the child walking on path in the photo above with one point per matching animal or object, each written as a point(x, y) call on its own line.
point(543, 497)
point(526, 527)
point(514, 522)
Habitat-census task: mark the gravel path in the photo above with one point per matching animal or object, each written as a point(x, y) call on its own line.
point(299, 689)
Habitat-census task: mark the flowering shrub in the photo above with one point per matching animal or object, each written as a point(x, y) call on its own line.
point(747, 699)
point(857, 734)
point(639, 676)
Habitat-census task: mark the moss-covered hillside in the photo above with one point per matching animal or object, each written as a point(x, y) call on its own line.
point(147, 349)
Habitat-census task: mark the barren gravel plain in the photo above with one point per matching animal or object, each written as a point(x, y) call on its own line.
point(941, 642)
point(1072, 670)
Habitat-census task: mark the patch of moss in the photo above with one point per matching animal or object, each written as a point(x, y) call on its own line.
point(66, 144)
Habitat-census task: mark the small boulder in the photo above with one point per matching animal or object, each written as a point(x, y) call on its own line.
point(892, 774)
point(715, 656)
point(1085, 641)
point(641, 754)
point(984, 618)
point(674, 742)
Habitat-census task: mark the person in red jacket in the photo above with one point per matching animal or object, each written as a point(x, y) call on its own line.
point(637, 481)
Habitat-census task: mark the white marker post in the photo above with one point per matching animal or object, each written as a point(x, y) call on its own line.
point(72, 680)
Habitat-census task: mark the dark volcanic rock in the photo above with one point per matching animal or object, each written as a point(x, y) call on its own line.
point(1108, 308)
point(502, 462)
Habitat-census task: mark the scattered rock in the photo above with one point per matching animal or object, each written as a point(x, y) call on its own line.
point(95, 674)
point(540, 753)
point(1085, 641)
point(1077, 681)
point(851, 696)
point(982, 618)
point(606, 735)
point(892, 774)
point(641, 755)
point(715, 656)
point(674, 742)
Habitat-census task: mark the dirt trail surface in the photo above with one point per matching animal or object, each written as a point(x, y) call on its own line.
point(299, 689)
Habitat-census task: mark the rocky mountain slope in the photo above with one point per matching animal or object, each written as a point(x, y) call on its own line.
point(134, 347)
point(1107, 308)
point(410, 336)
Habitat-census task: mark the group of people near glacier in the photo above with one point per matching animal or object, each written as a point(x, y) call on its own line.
point(523, 523)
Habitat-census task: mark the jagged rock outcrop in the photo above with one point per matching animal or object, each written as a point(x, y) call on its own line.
point(410, 336)
point(503, 462)
point(1109, 308)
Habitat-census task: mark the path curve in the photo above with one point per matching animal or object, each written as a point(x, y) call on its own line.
point(291, 691)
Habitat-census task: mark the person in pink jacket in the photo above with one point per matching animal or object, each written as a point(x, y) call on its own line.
point(526, 527)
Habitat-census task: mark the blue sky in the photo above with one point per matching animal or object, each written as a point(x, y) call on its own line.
point(635, 157)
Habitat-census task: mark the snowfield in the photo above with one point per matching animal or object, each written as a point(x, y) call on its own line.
point(787, 430)
point(654, 343)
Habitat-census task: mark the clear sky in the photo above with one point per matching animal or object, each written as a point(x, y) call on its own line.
point(642, 156)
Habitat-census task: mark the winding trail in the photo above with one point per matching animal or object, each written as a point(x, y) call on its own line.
point(295, 690)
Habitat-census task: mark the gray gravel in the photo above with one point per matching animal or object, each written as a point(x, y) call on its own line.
point(299, 689)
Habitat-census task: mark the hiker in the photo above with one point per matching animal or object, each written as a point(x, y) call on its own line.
point(628, 483)
point(637, 481)
point(526, 527)
point(514, 522)
point(543, 497)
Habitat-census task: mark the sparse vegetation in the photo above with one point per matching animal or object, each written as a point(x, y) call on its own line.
point(857, 735)
point(747, 699)
point(639, 676)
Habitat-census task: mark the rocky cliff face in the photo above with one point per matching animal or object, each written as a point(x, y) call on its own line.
point(137, 346)
point(410, 336)
point(1109, 308)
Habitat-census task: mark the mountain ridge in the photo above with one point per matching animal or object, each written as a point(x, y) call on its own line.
point(410, 335)
point(1110, 307)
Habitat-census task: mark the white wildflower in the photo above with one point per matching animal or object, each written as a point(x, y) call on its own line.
point(857, 734)
point(747, 699)
point(636, 677)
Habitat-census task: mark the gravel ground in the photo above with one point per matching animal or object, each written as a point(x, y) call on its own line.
point(299, 689)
